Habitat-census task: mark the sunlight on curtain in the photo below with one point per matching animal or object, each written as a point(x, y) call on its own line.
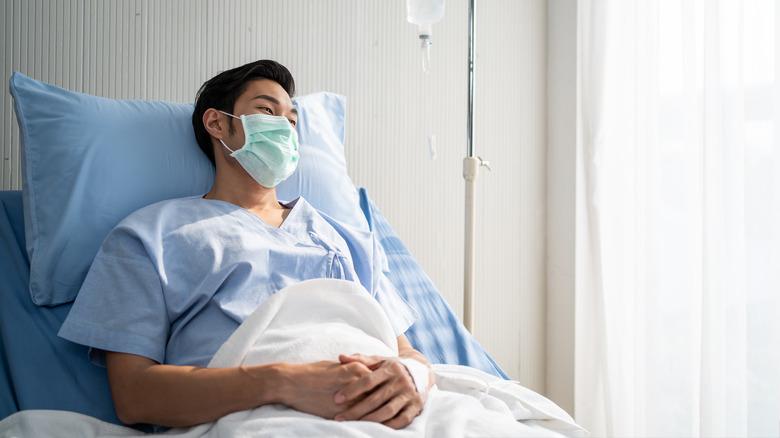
point(678, 218)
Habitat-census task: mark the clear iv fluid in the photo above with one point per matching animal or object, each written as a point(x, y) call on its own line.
point(424, 13)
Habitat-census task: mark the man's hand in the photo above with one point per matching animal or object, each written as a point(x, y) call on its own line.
point(387, 395)
point(311, 387)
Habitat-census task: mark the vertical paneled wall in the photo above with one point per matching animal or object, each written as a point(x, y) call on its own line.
point(367, 51)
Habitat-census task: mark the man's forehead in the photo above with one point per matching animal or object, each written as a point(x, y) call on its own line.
point(266, 88)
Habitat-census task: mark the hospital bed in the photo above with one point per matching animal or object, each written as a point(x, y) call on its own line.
point(90, 161)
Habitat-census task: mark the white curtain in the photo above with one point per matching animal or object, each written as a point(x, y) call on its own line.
point(678, 218)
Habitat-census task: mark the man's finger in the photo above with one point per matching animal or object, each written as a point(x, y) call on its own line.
point(405, 417)
point(378, 400)
point(370, 361)
point(361, 387)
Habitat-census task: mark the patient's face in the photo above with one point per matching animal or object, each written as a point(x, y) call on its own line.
point(263, 96)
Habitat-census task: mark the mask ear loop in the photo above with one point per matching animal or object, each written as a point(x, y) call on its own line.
point(228, 114)
point(226, 146)
point(220, 140)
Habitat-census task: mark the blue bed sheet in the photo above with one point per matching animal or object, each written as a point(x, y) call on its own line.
point(38, 370)
point(438, 334)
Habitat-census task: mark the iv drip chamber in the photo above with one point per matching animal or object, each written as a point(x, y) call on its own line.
point(424, 13)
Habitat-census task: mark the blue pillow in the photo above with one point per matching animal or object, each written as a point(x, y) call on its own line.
point(87, 162)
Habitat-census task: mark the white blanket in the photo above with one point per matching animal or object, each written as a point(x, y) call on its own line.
point(317, 320)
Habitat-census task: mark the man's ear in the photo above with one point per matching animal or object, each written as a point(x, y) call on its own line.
point(214, 124)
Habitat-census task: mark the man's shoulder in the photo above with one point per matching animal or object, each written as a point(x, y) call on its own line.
point(167, 205)
point(165, 211)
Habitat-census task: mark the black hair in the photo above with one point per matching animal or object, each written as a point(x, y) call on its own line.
point(222, 91)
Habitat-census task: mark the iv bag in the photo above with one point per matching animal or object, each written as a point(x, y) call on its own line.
point(424, 13)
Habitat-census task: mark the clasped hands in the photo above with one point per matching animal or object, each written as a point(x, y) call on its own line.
point(359, 387)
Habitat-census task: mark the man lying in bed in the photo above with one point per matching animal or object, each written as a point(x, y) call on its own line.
point(174, 280)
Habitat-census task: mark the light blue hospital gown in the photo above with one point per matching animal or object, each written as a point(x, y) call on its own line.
point(174, 280)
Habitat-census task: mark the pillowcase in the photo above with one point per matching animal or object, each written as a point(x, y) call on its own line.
point(87, 162)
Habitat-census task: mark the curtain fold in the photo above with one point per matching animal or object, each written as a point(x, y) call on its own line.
point(678, 218)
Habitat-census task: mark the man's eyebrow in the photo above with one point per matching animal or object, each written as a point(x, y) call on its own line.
point(273, 100)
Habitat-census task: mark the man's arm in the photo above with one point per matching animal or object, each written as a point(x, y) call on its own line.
point(388, 395)
point(169, 395)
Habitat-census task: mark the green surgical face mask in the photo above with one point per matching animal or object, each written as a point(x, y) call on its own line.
point(270, 151)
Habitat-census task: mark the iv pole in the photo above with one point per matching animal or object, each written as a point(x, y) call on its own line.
point(471, 167)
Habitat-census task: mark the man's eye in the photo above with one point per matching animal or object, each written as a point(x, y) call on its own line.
point(266, 109)
point(292, 122)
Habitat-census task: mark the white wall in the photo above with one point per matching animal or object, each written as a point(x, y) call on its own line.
point(365, 50)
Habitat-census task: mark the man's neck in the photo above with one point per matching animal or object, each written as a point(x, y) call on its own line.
point(247, 194)
point(234, 185)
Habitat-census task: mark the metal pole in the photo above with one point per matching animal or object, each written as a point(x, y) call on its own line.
point(470, 173)
point(470, 121)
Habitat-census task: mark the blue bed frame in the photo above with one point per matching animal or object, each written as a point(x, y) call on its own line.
point(38, 370)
